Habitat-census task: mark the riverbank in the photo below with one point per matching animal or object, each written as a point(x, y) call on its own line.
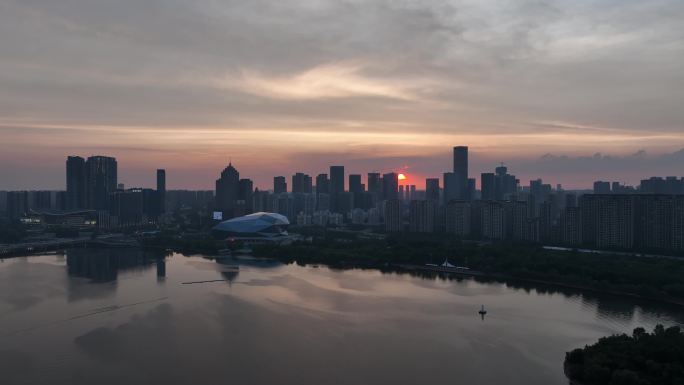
point(644, 278)
point(510, 278)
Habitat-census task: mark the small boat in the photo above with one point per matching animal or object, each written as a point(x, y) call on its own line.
point(224, 252)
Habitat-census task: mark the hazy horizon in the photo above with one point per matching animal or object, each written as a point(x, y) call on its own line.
point(570, 92)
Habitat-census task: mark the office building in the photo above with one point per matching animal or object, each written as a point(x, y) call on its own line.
point(75, 182)
point(322, 184)
point(432, 189)
point(101, 181)
point(422, 216)
point(161, 190)
point(279, 185)
point(393, 216)
point(460, 171)
point(458, 219)
point(355, 185)
point(302, 183)
point(336, 179)
point(390, 186)
point(228, 191)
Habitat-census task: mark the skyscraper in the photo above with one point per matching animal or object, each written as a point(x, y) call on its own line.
point(101, 180)
point(322, 184)
point(450, 187)
point(161, 189)
point(246, 196)
point(374, 184)
point(336, 179)
point(355, 185)
point(76, 182)
point(279, 185)
point(390, 186)
point(422, 216)
point(301, 183)
point(228, 191)
point(393, 216)
point(461, 171)
point(432, 189)
point(488, 186)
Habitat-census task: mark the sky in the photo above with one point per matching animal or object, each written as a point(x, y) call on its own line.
point(569, 91)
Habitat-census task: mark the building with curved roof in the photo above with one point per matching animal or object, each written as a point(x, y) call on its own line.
point(254, 227)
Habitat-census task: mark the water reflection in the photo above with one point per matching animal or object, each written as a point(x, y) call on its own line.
point(103, 265)
point(136, 323)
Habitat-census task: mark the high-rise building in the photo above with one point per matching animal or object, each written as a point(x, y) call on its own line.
point(571, 228)
point(493, 220)
point(461, 171)
point(374, 183)
point(450, 187)
point(457, 218)
point(355, 185)
point(336, 179)
point(601, 187)
point(161, 189)
point(228, 191)
point(246, 196)
point(608, 220)
point(76, 182)
point(678, 223)
point(393, 216)
point(422, 216)
point(322, 184)
point(488, 186)
point(279, 185)
point(432, 189)
point(390, 186)
point(101, 180)
point(301, 183)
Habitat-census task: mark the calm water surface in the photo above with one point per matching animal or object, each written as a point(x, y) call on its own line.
point(121, 316)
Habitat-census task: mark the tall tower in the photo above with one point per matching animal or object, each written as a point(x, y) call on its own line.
point(461, 171)
point(228, 191)
point(390, 186)
point(432, 189)
point(336, 179)
point(76, 182)
point(101, 180)
point(279, 185)
point(161, 189)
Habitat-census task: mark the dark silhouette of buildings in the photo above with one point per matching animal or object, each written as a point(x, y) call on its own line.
point(322, 184)
point(228, 191)
point(161, 190)
point(302, 183)
point(76, 182)
point(390, 186)
point(460, 171)
point(279, 185)
point(101, 181)
point(336, 179)
point(432, 189)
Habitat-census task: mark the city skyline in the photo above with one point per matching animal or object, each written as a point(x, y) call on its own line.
point(370, 85)
point(416, 175)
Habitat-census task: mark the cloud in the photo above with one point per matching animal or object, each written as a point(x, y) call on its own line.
point(322, 82)
point(515, 79)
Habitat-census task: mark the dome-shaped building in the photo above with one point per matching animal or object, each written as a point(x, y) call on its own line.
point(254, 227)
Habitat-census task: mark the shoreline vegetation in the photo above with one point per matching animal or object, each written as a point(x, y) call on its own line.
point(639, 277)
point(659, 279)
point(655, 358)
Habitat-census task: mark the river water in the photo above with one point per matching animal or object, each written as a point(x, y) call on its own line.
point(128, 317)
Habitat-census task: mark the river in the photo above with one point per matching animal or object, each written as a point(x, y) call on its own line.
point(126, 316)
